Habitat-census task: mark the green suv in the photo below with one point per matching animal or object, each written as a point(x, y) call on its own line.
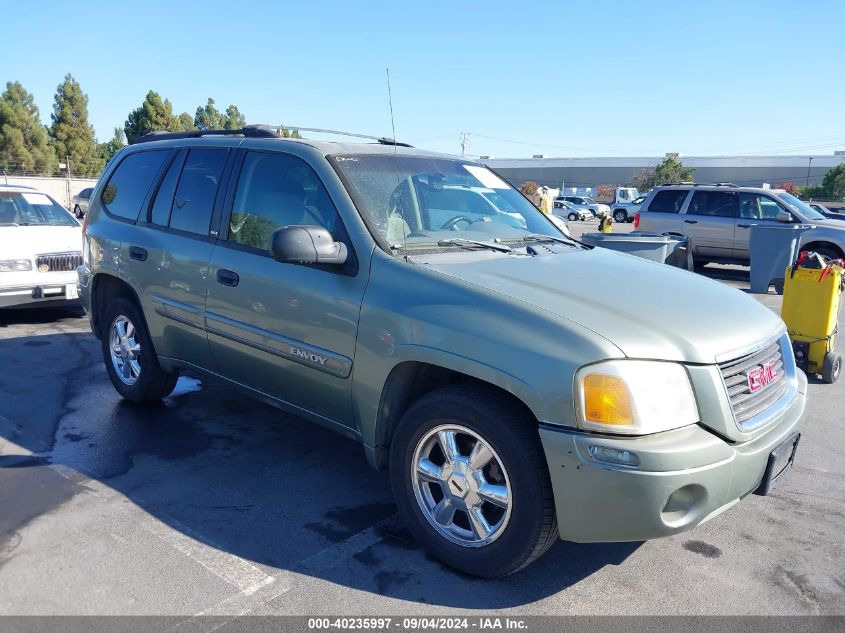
point(513, 401)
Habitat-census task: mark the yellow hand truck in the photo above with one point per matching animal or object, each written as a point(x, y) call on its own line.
point(811, 296)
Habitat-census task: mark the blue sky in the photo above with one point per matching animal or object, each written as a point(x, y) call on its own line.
point(562, 78)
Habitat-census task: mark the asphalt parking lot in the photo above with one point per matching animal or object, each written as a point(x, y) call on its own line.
point(211, 503)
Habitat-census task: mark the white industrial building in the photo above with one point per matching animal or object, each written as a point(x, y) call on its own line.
point(591, 172)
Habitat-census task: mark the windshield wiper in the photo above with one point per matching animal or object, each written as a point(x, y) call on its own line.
point(460, 241)
point(546, 238)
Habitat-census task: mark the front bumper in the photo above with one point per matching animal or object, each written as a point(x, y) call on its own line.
point(684, 478)
point(47, 287)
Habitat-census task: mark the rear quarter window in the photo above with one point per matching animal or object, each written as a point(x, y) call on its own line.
point(668, 201)
point(128, 185)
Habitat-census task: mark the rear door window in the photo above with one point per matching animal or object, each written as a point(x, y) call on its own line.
point(124, 194)
point(668, 201)
point(194, 200)
point(164, 196)
point(723, 204)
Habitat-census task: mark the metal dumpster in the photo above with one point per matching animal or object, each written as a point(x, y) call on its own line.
point(666, 249)
point(773, 246)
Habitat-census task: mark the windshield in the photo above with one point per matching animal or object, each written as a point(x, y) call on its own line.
point(414, 200)
point(802, 207)
point(32, 209)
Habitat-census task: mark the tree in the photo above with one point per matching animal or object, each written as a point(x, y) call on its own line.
point(24, 142)
point(209, 117)
point(155, 114)
point(185, 122)
point(832, 186)
point(670, 170)
point(290, 133)
point(529, 188)
point(234, 120)
point(72, 135)
point(108, 149)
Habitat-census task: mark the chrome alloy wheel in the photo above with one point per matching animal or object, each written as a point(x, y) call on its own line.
point(461, 486)
point(125, 350)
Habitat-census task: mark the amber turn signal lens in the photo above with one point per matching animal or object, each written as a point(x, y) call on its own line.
point(607, 400)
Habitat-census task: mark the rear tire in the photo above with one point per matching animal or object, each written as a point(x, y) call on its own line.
point(620, 216)
point(831, 368)
point(129, 355)
point(438, 501)
point(572, 217)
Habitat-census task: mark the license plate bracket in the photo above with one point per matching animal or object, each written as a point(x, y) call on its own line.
point(779, 462)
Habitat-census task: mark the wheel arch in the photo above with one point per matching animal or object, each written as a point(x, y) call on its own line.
point(104, 288)
point(406, 383)
point(819, 244)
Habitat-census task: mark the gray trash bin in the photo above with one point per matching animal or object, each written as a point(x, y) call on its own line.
point(666, 249)
point(773, 246)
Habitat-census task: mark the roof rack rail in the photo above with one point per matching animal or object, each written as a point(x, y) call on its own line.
point(699, 184)
point(378, 139)
point(249, 131)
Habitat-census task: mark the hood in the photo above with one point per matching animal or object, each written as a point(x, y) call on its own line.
point(25, 242)
point(648, 310)
point(833, 223)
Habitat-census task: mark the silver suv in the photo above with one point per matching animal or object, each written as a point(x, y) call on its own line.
point(718, 218)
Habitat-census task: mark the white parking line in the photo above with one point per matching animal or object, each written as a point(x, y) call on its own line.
point(233, 569)
point(236, 571)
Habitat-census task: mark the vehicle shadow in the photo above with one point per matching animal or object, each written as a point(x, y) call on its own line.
point(40, 315)
point(738, 274)
point(236, 475)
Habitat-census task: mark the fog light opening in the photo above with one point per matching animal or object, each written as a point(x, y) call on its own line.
point(684, 505)
point(614, 456)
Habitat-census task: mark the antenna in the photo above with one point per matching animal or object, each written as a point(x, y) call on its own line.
point(464, 143)
point(398, 179)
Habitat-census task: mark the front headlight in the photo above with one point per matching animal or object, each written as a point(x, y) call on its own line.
point(634, 397)
point(15, 265)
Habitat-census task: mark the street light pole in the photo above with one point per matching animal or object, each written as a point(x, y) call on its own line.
point(809, 164)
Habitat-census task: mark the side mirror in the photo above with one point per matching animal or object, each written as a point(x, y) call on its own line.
point(306, 245)
point(784, 216)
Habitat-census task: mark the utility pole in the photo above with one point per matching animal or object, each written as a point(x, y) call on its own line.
point(67, 171)
point(464, 143)
point(809, 164)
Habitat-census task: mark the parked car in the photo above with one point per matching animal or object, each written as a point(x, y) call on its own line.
point(40, 249)
point(511, 401)
point(567, 210)
point(79, 203)
point(583, 202)
point(718, 219)
point(835, 213)
point(626, 211)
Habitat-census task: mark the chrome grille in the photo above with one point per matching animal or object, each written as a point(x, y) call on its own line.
point(59, 261)
point(744, 402)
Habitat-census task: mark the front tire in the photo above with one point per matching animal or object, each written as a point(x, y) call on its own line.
point(572, 217)
point(129, 355)
point(471, 481)
point(620, 217)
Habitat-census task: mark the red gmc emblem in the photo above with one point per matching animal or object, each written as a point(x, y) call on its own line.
point(761, 376)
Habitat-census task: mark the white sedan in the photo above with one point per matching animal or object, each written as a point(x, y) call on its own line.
point(40, 249)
